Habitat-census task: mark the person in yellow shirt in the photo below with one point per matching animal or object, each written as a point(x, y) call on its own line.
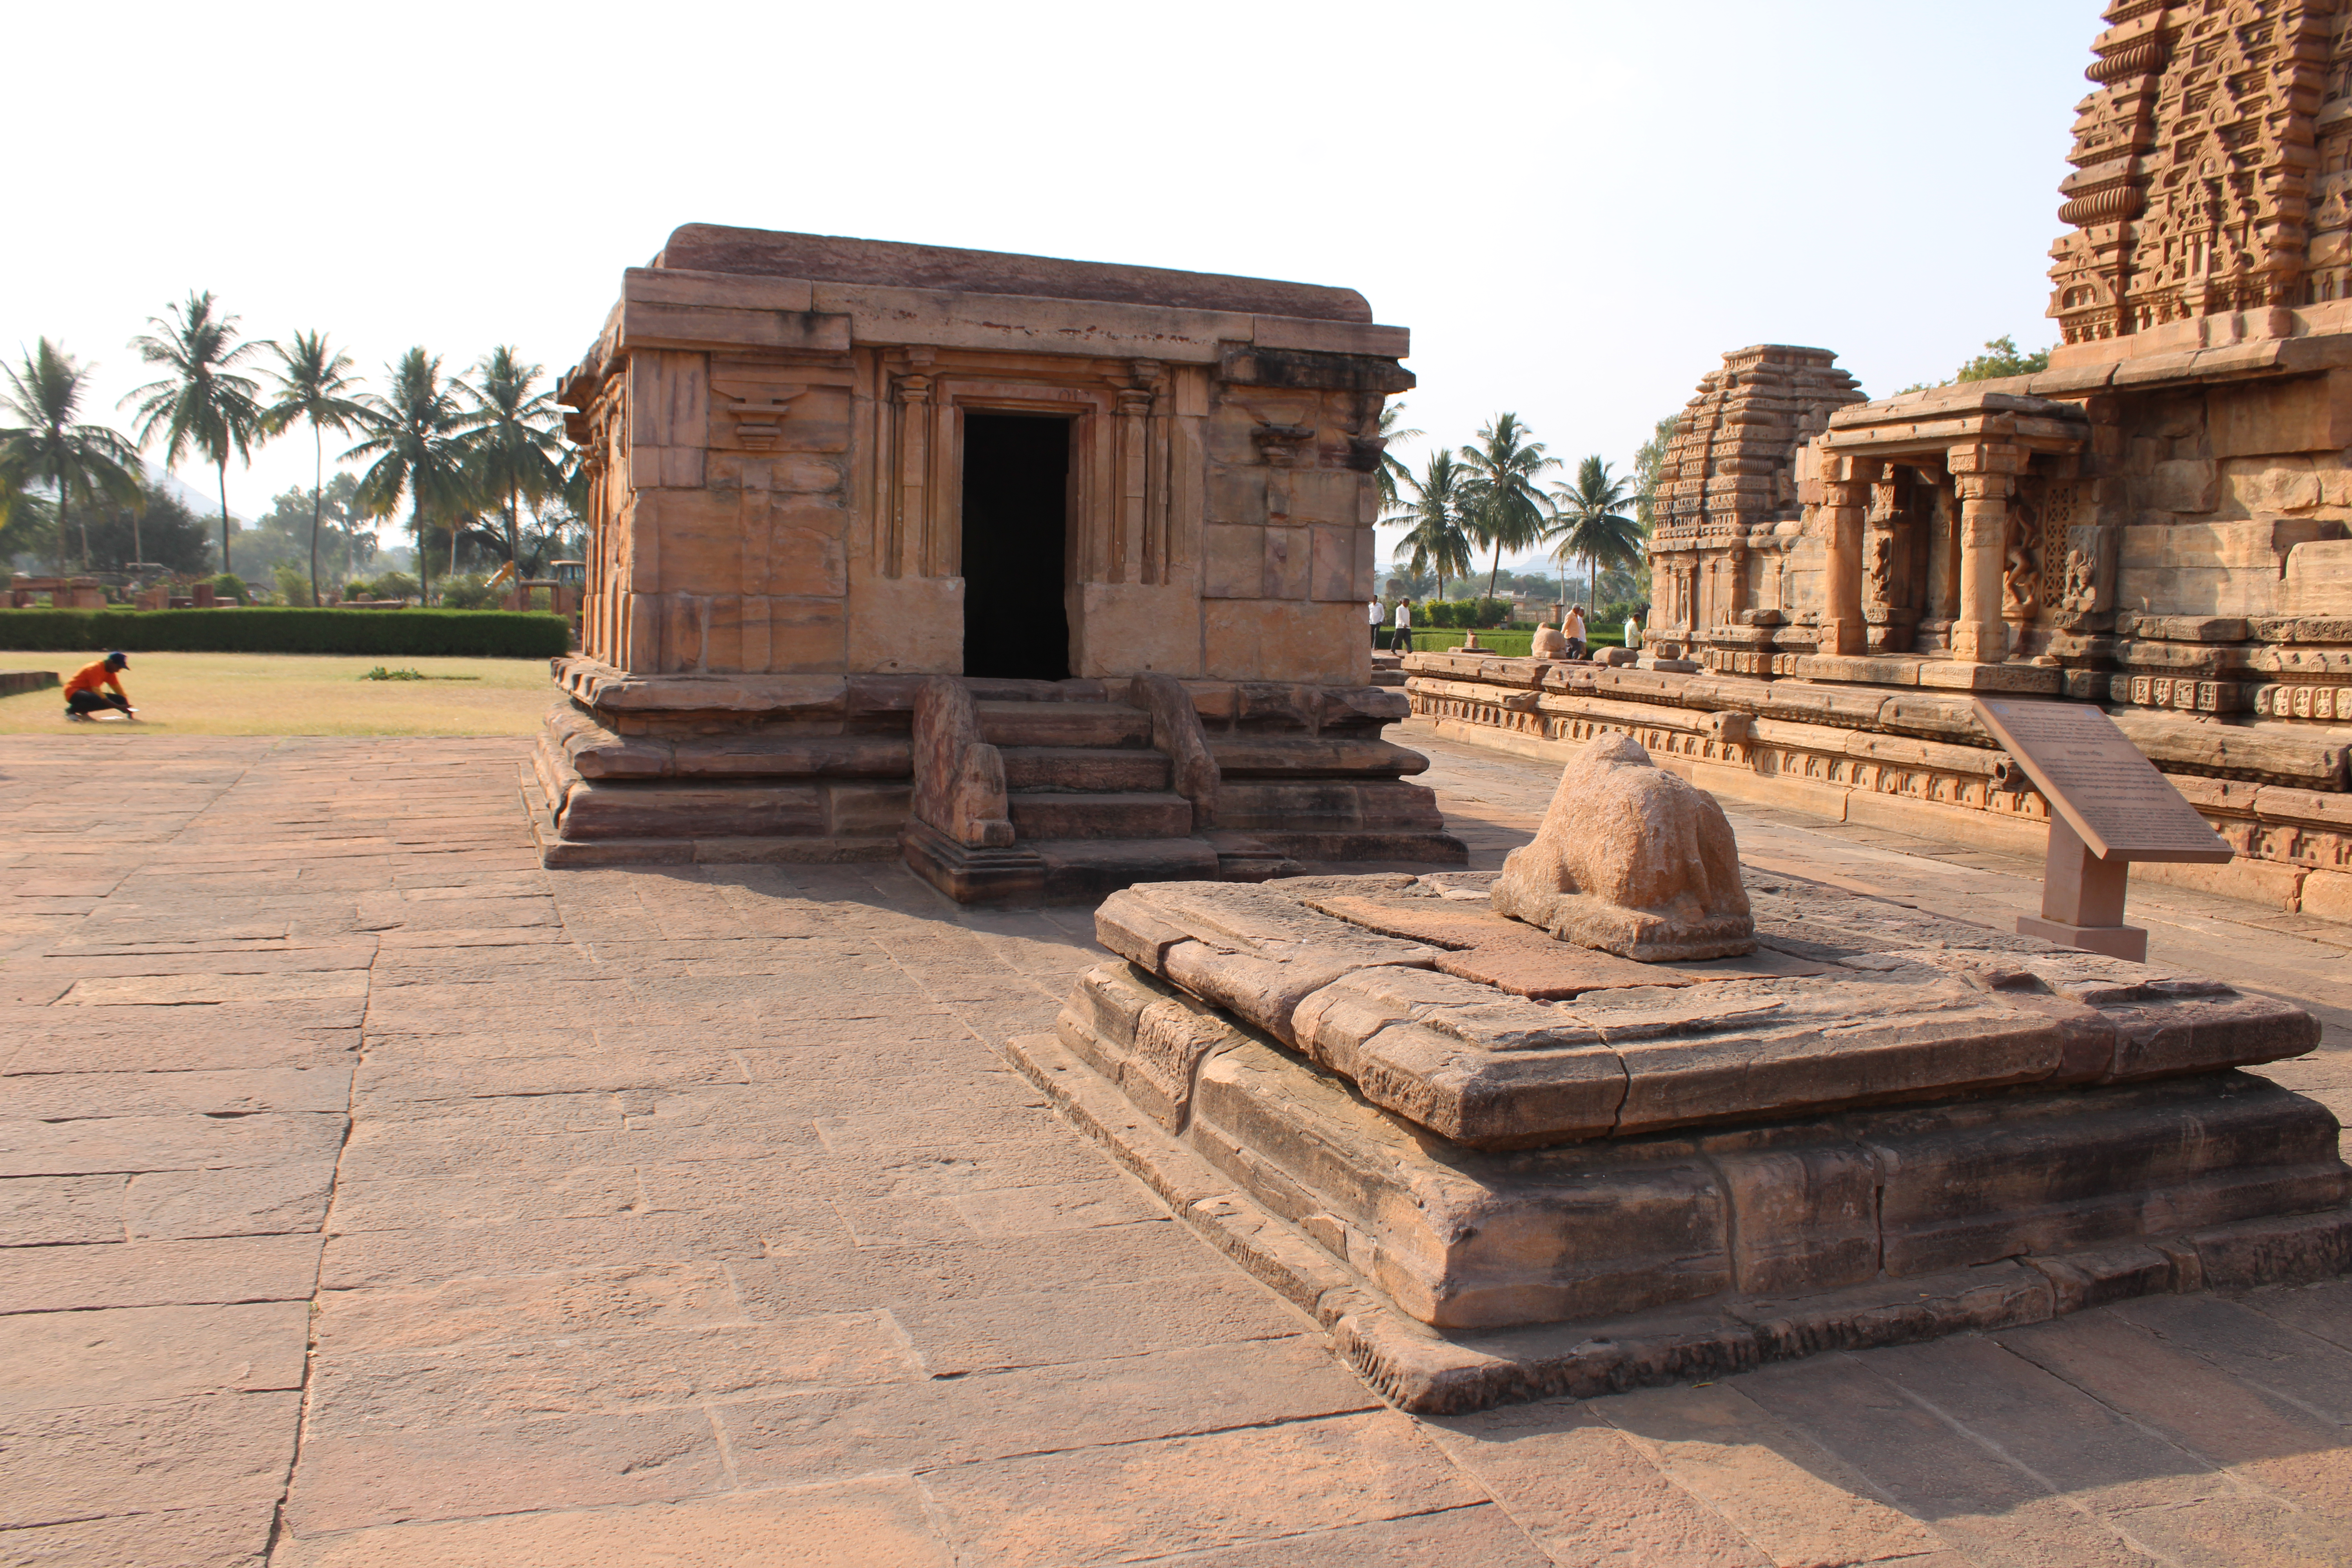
point(83, 697)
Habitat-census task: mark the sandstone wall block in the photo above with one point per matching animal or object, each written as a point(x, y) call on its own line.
point(2182, 485)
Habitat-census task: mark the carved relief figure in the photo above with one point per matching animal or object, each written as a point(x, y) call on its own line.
point(2081, 594)
point(2022, 563)
point(1878, 564)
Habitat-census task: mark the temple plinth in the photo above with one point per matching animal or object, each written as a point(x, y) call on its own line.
point(827, 472)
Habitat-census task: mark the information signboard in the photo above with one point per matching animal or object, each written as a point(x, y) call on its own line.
point(2114, 798)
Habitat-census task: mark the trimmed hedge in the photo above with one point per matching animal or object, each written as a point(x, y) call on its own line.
point(1504, 645)
point(470, 633)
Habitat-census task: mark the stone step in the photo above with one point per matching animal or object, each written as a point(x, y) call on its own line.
point(1083, 769)
point(1040, 814)
point(1091, 724)
point(1080, 870)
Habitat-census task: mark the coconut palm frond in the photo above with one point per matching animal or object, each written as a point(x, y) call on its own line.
point(1436, 541)
point(53, 447)
point(1594, 522)
point(314, 383)
point(202, 401)
point(1392, 467)
point(515, 450)
point(415, 436)
point(1504, 507)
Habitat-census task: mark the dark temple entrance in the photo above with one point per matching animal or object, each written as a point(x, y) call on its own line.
point(1015, 504)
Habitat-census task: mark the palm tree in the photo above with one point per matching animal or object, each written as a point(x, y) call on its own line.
point(80, 461)
point(1647, 461)
point(1436, 542)
point(1504, 507)
point(416, 436)
point(562, 517)
point(1392, 467)
point(1591, 525)
point(515, 450)
point(27, 521)
point(313, 382)
point(15, 505)
point(203, 400)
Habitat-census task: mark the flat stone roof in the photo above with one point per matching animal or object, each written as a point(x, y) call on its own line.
point(832, 258)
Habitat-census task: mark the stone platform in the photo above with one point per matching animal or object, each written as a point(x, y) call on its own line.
point(16, 682)
point(1500, 1167)
point(994, 791)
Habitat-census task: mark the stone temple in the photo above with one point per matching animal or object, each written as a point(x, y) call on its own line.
point(2160, 523)
point(1628, 1112)
point(1051, 574)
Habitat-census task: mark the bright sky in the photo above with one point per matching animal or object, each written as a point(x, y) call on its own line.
point(1576, 205)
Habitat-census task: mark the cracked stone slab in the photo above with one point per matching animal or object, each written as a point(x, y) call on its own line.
point(1849, 1001)
point(1513, 956)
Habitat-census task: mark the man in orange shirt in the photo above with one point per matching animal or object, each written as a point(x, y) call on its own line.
point(83, 697)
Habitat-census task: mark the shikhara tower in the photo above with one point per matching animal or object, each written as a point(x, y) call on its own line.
point(2210, 167)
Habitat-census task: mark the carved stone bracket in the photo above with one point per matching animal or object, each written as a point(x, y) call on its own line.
point(759, 420)
point(1283, 446)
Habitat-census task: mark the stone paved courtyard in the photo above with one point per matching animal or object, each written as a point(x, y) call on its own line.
point(372, 1196)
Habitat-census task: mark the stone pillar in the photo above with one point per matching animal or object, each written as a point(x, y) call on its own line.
point(1129, 549)
point(1985, 474)
point(1845, 501)
point(1151, 379)
point(909, 514)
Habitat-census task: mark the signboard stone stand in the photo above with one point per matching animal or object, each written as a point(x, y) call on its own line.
point(2108, 807)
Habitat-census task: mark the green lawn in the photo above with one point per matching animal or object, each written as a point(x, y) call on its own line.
point(1508, 645)
point(294, 694)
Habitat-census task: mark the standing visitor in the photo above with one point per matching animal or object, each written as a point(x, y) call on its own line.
point(1574, 631)
point(1632, 635)
point(1402, 640)
point(1377, 617)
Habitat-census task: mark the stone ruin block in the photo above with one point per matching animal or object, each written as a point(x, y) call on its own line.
point(1500, 1166)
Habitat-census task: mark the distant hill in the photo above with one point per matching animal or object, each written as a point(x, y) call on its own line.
point(203, 502)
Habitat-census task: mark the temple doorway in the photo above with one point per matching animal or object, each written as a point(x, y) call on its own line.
point(1015, 525)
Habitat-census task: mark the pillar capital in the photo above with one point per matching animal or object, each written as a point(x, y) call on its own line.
point(1841, 468)
point(1987, 457)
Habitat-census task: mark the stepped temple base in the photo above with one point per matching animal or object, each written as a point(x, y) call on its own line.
point(1893, 743)
point(1497, 1169)
point(1095, 787)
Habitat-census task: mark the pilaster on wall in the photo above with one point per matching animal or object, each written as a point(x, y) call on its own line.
point(908, 547)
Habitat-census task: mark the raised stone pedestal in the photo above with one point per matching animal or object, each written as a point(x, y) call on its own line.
point(1089, 784)
point(1500, 1167)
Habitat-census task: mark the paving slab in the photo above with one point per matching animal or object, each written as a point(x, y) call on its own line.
point(386, 1199)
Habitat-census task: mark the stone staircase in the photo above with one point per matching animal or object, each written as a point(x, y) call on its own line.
point(1087, 792)
point(1060, 793)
